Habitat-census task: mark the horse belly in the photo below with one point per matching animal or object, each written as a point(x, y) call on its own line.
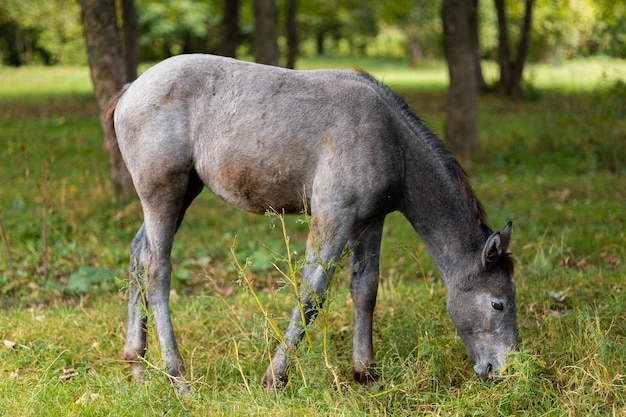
point(256, 188)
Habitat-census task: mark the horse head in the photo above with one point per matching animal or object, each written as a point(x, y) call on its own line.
point(482, 306)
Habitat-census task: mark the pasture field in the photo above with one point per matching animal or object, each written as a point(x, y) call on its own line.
point(554, 163)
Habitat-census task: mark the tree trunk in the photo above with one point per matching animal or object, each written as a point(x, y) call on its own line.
point(319, 43)
point(522, 49)
point(511, 72)
point(230, 29)
point(131, 39)
point(106, 64)
point(474, 26)
point(461, 130)
point(504, 53)
point(264, 42)
point(292, 33)
point(416, 52)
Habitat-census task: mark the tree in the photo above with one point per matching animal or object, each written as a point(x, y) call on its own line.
point(264, 43)
point(419, 20)
point(229, 29)
point(474, 27)
point(131, 39)
point(460, 129)
point(177, 27)
point(292, 33)
point(511, 71)
point(107, 69)
point(44, 32)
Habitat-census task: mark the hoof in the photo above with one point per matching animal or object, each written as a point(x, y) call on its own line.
point(180, 383)
point(364, 376)
point(273, 381)
point(137, 369)
point(176, 375)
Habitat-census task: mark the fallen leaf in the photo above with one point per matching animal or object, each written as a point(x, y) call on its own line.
point(559, 296)
point(85, 396)
point(67, 374)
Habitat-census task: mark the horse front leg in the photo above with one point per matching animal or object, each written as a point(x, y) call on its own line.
point(317, 274)
point(364, 274)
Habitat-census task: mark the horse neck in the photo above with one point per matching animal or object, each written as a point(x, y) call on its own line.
point(441, 206)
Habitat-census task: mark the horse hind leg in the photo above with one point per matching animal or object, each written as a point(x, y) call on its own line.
point(135, 346)
point(150, 271)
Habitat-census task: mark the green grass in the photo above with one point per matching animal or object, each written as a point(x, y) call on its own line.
point(553, 163)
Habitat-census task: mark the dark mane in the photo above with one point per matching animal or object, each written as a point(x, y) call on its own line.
point(440, 150)
point(507, 263)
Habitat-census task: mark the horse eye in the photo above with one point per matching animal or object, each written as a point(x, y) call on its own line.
point(497, 306)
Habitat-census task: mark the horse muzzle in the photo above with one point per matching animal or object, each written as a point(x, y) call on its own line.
point(491, 368)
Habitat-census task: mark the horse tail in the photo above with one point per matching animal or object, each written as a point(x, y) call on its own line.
point(108, 125)
point(122, 181)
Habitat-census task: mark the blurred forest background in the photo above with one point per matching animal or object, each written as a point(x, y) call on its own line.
point(50, 32)
point(114, 36)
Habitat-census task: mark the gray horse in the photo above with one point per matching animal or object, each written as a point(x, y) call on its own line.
point(336, 143)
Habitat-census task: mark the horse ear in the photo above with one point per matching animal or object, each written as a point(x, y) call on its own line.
point(496, 244)
point(505, 235)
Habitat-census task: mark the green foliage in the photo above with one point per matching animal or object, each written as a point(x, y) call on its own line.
point(172, 27)
point(88, 278)
point(47, 31)
point(337, 27)
point(554, 165)
point(50, 32)
point(420, 23)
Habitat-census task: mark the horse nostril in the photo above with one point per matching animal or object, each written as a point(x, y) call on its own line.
point(490, 374)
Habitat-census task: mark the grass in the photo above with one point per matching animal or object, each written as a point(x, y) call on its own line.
point(553, 163)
